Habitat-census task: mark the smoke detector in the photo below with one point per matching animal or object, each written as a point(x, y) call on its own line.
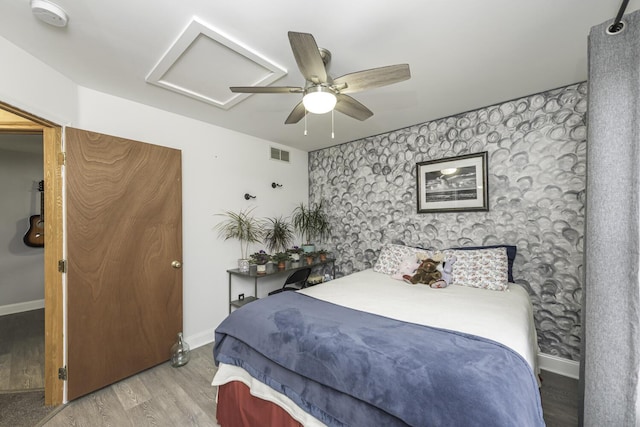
point(49, 12)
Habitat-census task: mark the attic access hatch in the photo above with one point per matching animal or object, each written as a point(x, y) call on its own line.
point(203, 63)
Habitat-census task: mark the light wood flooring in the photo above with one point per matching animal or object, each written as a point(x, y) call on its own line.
point(166, 396)
point(22, 350)
point(559, 400)
point(160, 396)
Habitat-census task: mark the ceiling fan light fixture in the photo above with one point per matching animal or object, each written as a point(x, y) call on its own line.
point(319, 100)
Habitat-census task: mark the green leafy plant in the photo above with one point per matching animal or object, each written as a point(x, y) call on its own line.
point(242, 226)
point(278, 234)
point(259, 258)
point(309, 257)
point(312, 222)
point(279, 257)
point(322, 254)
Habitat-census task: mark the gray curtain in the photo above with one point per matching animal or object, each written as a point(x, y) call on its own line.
point(611, 309)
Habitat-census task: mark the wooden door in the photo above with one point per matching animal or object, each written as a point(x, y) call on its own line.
point(124, 231)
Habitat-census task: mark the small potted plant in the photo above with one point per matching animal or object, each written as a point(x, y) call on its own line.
point(278, 234)
point(322, 254)
point(244, 227)
point(260, 259)
point(295, 253)
point(280, 258)
point(309, 257)
point(312, 222)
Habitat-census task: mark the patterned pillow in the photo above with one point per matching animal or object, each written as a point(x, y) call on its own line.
point(482, 268)
point(511, 255)
point(392, 255)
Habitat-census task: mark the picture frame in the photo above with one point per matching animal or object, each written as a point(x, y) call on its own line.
point(453, 184)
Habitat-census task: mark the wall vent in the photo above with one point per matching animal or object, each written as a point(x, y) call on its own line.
point(277, 154)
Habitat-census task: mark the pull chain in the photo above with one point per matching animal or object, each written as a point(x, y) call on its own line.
point(332, 134)
point(305, 122)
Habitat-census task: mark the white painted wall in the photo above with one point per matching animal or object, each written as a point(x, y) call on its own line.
point(33, 86)
point(30, 85)
point(218, 167)
point(21, 266)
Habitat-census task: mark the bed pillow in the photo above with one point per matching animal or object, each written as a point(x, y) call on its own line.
point(406, 267)
point(480, 268)
point(511, 255)
point(392, 255)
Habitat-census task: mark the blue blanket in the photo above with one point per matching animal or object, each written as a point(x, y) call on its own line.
point(348, 367)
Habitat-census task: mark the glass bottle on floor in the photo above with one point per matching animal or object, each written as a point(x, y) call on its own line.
point(179, 352)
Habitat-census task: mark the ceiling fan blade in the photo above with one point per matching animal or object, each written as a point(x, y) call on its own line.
point(352, 108)
point(266, 89)
point(376, 77)
point(296, 115)
point(308, 57)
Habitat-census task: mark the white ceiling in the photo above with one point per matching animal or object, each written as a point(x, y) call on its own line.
point(463, 54)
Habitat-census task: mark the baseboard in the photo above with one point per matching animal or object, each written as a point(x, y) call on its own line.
point(559, 365)
point(21, 306)
point(198, 340)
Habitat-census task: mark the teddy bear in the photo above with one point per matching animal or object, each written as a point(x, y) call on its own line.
point(406, 267)
point(427, 273)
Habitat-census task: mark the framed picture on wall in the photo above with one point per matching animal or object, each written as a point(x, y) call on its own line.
point(453, 184)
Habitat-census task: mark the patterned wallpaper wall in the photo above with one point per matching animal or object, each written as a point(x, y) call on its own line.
point(537, 164)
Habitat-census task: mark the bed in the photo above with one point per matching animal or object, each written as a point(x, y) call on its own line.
point(368, 349)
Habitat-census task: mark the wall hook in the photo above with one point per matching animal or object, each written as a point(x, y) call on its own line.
point(275, 185)
point(248, 196)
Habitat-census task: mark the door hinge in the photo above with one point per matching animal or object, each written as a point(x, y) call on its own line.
point(62, 266)
point(62, 158)
point(62, 373)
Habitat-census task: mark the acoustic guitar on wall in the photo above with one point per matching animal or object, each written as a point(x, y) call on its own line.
point(35, 234)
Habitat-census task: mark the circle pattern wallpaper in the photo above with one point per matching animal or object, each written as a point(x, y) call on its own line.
point(536, 165)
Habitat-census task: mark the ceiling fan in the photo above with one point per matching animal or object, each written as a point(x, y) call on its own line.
point(323, 93)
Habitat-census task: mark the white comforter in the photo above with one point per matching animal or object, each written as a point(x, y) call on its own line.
point(502, 316)
point(505, 317)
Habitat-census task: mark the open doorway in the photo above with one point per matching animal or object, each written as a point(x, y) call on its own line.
point(14, 121)
point(21, 262)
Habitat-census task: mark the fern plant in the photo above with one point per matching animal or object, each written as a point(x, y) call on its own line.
point(242, 226)
point(278, 234)
point(311, 221)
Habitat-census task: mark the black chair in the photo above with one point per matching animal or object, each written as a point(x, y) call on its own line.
point(298, 277)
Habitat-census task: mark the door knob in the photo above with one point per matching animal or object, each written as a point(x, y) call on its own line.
point(176, 264)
